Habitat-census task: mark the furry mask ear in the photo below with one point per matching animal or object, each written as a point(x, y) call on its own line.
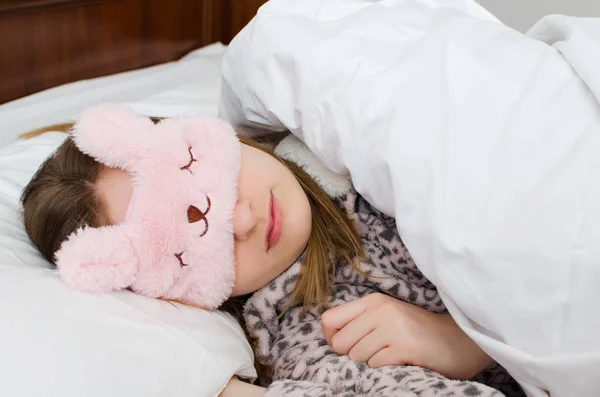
point(113, 135)
point(97, 260)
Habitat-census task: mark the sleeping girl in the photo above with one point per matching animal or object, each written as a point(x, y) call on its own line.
point(184, 210)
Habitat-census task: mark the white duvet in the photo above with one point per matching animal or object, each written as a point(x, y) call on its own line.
point(482, 142)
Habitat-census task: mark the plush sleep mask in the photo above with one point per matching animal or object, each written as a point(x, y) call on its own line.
point(177, 238)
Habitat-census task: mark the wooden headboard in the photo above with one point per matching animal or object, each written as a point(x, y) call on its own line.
point(45, 43)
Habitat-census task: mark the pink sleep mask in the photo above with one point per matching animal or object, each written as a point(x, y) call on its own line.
point(177, 240)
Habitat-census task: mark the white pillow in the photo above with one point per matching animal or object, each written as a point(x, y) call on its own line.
point(59, 342)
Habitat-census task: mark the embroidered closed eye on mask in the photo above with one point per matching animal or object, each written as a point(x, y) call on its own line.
point(177, 238)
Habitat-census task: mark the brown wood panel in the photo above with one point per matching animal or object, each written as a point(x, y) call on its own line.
point(29, 5)
point(240, 13)
point(44, 43)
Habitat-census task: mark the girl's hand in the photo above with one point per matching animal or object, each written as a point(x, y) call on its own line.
point(380, 331)
point(238, 388)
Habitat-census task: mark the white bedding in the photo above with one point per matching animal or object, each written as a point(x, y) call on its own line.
point(56, 342)
point(482, 142)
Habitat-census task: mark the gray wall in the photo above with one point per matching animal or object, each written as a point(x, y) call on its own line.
point(522, 14)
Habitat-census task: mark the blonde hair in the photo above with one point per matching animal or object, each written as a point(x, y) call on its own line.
point(61, 197)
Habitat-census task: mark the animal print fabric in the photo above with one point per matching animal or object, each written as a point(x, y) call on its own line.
point(304, 365)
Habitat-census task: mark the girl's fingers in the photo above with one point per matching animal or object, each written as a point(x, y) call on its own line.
point(341, 315)
point(328, 333)
point(335, 319)
point(385, 357)
point(367, 347)
point(347, 337)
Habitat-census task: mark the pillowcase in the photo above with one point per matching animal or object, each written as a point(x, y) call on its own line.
point(59, 342)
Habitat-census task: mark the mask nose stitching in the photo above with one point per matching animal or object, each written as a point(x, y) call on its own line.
point(194, 215)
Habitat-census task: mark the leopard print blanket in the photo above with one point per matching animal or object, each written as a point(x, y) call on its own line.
point(304, 365)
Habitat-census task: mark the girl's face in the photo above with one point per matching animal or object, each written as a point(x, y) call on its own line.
point(271, 220)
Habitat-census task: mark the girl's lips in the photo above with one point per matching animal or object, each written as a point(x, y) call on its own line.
point(274, 223)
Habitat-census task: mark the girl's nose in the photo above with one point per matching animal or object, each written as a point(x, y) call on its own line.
point(244, 220)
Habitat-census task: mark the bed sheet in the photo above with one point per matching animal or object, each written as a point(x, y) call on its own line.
point(188, 86)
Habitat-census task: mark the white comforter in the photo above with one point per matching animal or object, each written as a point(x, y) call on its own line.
point(482, 142)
